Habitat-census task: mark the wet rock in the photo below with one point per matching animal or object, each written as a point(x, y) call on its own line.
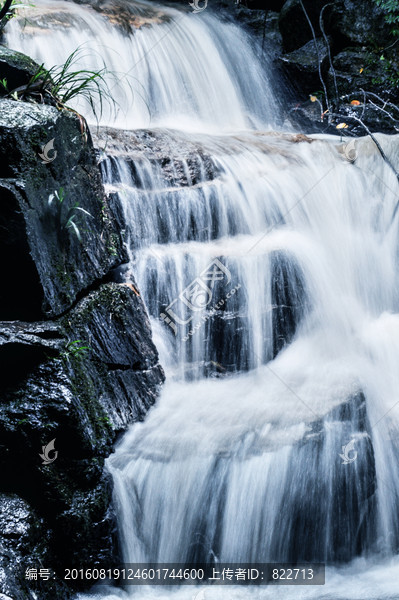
point(302, 66)
point(22, 534)
point(57, 266)
point(16, 68)
point(114, 323)
point(95, 371)
point(24, 346)
point(128, 16)
point(289, 298)
point(352, 71)
point(358, 69)
point(358, 22)
point(182, 161)
point(294, 25)
point(337, 500)
point(261, 22)
point(78, 360)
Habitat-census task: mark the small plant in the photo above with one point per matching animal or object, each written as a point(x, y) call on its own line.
point(66, 220)
point(76, 349)
point(65, 82)
point(8, 10)
point(391, 13)
point(5, 12)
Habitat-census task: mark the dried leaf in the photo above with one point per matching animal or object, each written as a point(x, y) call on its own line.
point(342, 126)
point(324, 114)
point(131, 286)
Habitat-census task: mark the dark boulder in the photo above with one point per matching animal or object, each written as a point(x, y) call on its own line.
point(327, 496)
point(358, 22)
point(24, 346)
point(74, 390)
point(359, 69)
point(302, 65)
point(274, 5)
point(22, 533)
point(264, 27)
point(289, 298)
point(294, 25)
point(352, 71)
point(78, 360)
point(49, 259)
point(16, 68)
point(348, 22)
point(114, 322)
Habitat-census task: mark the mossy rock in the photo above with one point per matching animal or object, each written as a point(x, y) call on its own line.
point(16, 68)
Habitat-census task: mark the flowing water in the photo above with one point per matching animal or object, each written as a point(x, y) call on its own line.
point(270, 270)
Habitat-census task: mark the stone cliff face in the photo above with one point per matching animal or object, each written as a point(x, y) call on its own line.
point(78, 360)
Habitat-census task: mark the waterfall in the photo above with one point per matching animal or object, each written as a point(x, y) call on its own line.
point(269, 267)
point(176, 70)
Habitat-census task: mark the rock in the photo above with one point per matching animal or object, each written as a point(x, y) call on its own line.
point(273, 40)
point(289, 297)
point(57, 267)
point(349, 22)
point(80, 394)
point(180, 161)
point(302, 65)
point(294, 25)
point(79, 364)
point(114, 323)
point(24, 346)
point(340, 496)
point(16, 68)
point(274, 5)
point(357, 69)
point(264, 27)
point(373, 118)
point(125, 15)
point(358, 22)
point(22, 533)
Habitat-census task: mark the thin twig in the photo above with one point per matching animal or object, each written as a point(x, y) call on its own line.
point(321, 24)
point(376, 142)
point(318, 56)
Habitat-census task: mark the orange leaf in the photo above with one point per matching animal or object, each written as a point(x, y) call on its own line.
point(361, 70)
point(342, 126)
point(355, 103)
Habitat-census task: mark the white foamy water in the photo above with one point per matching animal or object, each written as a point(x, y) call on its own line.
point(240, 458)
point(178, 69)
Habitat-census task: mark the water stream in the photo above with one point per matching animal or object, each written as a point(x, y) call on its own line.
point(270, 270)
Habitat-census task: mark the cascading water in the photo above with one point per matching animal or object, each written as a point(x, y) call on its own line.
point(269, 266)
point(174, 70)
